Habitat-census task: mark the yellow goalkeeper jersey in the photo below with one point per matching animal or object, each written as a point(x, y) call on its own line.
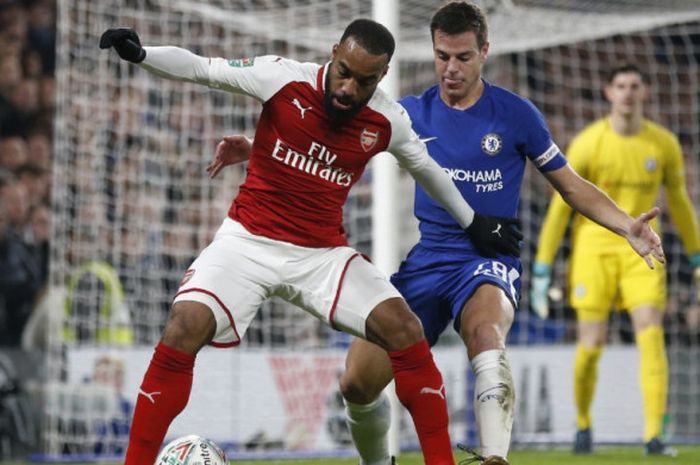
point(631, 170)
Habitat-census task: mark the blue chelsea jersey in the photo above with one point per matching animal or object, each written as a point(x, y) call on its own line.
point(483, 149)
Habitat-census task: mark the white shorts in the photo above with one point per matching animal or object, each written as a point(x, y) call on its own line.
point(238, 271)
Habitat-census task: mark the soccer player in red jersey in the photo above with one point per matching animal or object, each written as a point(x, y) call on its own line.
point(319, 127)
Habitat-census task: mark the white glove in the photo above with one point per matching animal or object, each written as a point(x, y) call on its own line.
point(539, 288)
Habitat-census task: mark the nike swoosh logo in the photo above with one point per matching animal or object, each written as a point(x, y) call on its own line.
point(427, 139)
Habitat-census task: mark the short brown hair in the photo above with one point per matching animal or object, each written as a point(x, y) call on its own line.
point(457, 17)
point(624, 69)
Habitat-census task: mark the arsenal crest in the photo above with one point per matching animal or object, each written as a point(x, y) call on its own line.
point(368, 139)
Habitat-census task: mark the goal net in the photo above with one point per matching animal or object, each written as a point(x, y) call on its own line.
point(133, 206)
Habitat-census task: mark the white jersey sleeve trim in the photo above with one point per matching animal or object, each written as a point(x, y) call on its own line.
point(259, 77)
point(412, 155)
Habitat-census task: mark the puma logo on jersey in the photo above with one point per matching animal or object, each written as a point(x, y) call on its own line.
point(297, 104)
point(438, 392)
point(497, 230)
point(149, 395)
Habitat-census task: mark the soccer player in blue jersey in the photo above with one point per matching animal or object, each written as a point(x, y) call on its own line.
point(481, 135)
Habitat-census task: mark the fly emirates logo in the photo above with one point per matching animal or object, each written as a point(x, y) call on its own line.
point(483, 180)
point(317, 161)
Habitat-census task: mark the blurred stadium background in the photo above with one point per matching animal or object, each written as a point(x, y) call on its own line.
point(115, 158)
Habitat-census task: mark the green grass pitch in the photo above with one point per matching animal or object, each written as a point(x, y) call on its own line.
point(688, 455)
point(603, 456)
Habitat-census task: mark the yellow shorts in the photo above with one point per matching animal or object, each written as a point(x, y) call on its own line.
point(598, 282)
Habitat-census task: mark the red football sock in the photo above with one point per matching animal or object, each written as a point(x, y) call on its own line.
point(164, 393)
point(420, 389)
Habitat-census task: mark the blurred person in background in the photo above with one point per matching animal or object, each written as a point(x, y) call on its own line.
point(37, 181)
point(630, 158)
point(25, 106)
point(27, 33)
point(38, 238)
point(17, 204)
point(32, 65)
point(13, 27)
point(39, 149)
point(20, 280)
point(10, 77)
point(112, 431)
point(41, 31)
point(27, 62)
point(13, 153)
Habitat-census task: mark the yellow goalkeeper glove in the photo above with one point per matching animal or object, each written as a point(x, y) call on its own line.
point(695, 263)
point(539, 288)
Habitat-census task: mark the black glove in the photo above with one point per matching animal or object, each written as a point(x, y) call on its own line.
point(126, 42)
point(493, 235)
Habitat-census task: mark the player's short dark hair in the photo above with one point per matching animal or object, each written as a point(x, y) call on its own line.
point(372, 36)
point(625, 68)
point(458, 17)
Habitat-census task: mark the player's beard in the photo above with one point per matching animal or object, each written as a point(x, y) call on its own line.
point(337, 116)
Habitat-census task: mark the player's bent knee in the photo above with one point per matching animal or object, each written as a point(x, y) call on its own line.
point(485, 336)
point(190, 327)
point(393, 326)
point(357, 391)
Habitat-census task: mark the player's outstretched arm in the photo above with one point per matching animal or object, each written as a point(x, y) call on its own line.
point(166, 61)
point(686, 221)
point(230, 151)
point(594, 204)
point(551, 234)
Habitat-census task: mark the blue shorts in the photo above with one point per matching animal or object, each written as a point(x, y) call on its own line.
point(436, 285)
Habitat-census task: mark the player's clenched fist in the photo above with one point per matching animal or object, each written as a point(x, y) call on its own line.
point(126, 42)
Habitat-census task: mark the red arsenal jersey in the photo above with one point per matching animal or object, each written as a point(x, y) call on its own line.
point(302, 166)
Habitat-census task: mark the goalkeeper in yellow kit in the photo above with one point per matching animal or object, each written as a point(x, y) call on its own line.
point(630, 158)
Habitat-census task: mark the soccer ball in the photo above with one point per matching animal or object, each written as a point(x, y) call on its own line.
point(191, 450)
